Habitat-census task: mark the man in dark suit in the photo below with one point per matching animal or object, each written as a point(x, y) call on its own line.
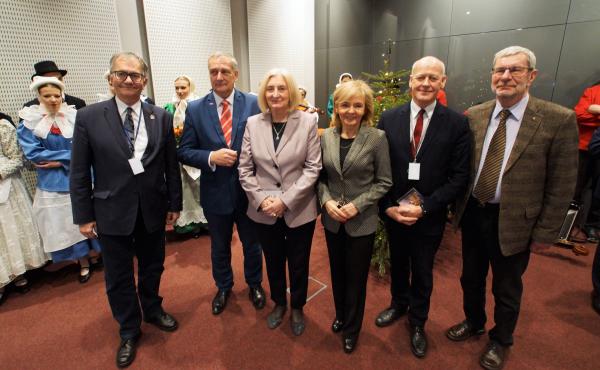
point(522, 179)
point(429, 151)
point(48, 68)
point(135, 189)
point(212, 139)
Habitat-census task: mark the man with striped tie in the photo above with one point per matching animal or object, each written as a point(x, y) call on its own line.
point(212, 139)
point(429, 152)
point(522, 180)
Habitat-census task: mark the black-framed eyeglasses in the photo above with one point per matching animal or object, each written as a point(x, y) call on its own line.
point(515, 70)
point(122, 76)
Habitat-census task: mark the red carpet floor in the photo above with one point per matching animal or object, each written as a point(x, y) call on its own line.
point(61, 324)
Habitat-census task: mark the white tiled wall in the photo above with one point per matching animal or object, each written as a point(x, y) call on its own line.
point(181, 35)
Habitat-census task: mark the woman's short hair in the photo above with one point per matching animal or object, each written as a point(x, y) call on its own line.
point(293, 91)
point(349, 90)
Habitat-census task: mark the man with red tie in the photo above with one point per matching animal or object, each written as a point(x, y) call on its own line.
point(430, 151)
point(212, 140)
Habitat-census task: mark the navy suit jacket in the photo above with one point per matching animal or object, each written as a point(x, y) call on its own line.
point(117, 194)
point(444, 157)
point(220, 190)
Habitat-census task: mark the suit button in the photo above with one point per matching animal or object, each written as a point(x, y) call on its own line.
point(278, 185)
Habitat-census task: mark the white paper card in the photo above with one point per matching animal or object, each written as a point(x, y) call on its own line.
point(136, 165)
point(273, 193)
point(414, 170)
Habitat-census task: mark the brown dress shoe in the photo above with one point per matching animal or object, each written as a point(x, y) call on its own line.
point(463, 331)
point(493, 356)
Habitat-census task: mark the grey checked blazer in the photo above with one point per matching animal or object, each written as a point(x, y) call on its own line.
point(365, 178)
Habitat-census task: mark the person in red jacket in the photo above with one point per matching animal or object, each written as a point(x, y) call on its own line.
point(588, 120)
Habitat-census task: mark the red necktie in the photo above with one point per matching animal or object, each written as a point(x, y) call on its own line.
point(226, 122)
point(417, 134)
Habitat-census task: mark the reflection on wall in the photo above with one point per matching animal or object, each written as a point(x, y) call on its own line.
point(465, 34)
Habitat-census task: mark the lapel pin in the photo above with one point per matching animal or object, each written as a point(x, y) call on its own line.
point(152, 116)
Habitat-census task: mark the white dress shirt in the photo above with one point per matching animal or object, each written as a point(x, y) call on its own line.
point(513, 123)
point(141, 140)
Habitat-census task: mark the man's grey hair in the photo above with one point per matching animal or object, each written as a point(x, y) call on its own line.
point(129, 54)
point(429, 60)
point(219, 54)
point(514, 50)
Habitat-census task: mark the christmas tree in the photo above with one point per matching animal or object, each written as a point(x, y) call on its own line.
point(391, 90)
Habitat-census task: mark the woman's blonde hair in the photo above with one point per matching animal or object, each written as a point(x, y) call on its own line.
point(347, 91)
point(294, 93)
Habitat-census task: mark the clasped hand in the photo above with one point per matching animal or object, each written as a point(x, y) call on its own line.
point(340, 214)
point(273, 206)
point(48, 164)
point(224, 157)
point(406, 214)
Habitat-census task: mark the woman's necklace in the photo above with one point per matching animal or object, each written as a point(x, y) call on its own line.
point(278, 132)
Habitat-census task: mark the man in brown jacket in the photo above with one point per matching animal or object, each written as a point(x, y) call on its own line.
point(523, 175)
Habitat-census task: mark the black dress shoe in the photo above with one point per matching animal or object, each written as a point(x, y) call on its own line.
point(463, 331)
point(493, 356)
point(257, 297)
point(85, 277)
point(276, 317)
point(337, 325)
point(389, 315)
point(297, 321)
point(349, 344)
point(220, 301)
point(418, 341)
point(126, 351)
point(164, 322)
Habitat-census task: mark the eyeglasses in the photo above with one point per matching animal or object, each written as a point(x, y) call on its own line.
point(122, 76)
point(514, 71)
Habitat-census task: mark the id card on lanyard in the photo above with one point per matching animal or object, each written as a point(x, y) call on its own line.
point(414, 168)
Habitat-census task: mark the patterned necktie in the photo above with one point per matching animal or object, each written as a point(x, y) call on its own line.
point(226, 122)
point(490, 173)
point(417, 134)
point(128, 126)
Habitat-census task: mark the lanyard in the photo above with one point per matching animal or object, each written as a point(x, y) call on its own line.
point(137, 130)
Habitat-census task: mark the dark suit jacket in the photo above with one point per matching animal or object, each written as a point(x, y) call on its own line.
point(70, 100)
point(364, 179)
point(444, 157)
point(539, 179)
point(116, 194)
point(220, 191)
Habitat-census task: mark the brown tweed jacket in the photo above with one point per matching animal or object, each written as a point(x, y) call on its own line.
point(539, 180)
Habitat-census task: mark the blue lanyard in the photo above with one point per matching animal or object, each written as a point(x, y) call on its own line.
point(137, 130)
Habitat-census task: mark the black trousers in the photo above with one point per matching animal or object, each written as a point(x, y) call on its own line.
point(349, 260)
point(588, 173)
point(282, 243)
point(412, 253)
point(480, 249)
point(596, 270)
point(118, 253)
point(221, 232)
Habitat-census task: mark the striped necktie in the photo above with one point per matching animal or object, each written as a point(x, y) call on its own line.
point(128, 126)
point(490, 173)
point(226, 122)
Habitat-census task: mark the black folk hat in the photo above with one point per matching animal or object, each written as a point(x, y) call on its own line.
point(46, 66)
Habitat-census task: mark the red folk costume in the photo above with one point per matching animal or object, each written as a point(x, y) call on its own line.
point(586, 121)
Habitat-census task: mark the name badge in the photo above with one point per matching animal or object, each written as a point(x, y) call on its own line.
point(414, 171)
point(136, 165)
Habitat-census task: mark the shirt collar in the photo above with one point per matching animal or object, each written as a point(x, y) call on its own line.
point(415, 109)
point(122, 106)
point(517, 110)
point(219, 99)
